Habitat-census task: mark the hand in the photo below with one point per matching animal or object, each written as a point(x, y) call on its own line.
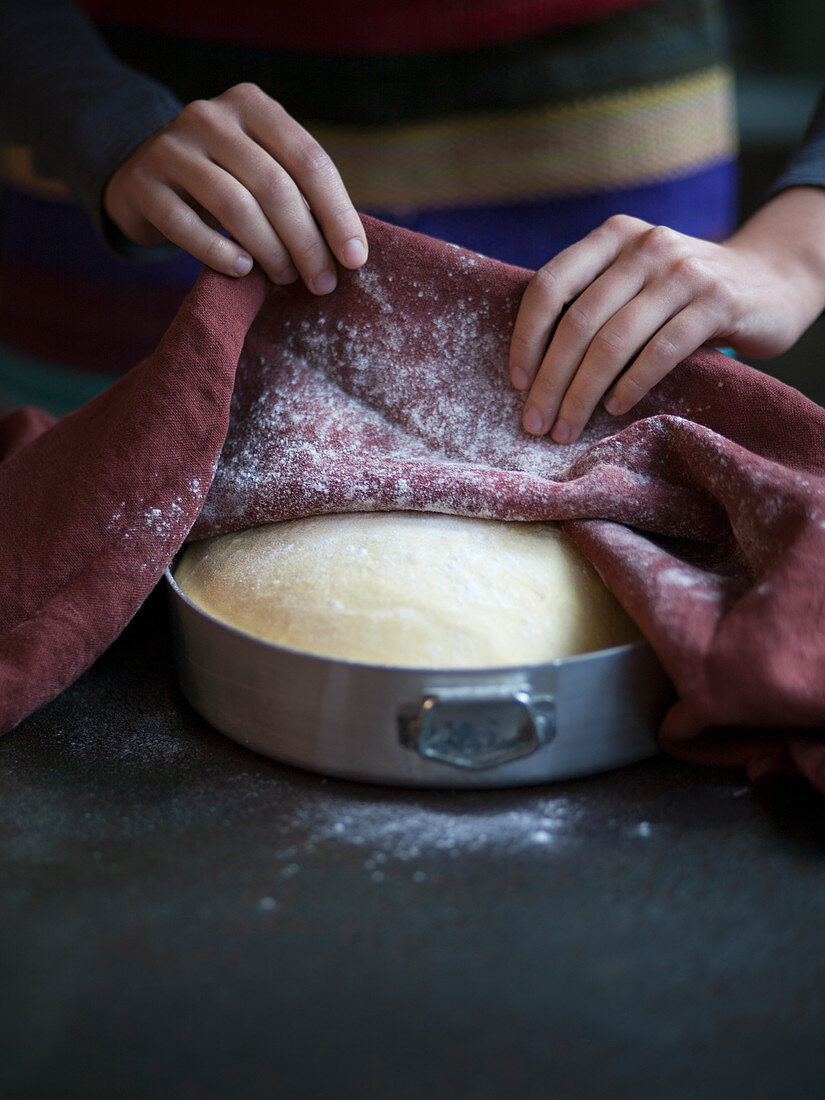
point(640, 298)
point(240, 162)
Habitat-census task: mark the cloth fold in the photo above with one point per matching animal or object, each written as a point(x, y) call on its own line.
point(703, 509)
point(95, 505)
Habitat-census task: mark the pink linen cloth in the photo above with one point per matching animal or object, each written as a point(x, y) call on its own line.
point(703, 508)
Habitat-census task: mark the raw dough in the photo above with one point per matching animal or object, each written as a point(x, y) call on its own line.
point(408, 589)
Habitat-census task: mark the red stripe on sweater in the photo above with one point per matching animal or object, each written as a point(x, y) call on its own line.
point(84, 323)
point(362, 27)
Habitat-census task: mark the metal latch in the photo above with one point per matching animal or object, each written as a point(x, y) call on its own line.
point(477, 727)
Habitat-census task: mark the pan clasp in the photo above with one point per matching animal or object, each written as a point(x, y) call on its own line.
point(477, 727)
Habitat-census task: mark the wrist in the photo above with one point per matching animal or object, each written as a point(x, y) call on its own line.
point(787, 235)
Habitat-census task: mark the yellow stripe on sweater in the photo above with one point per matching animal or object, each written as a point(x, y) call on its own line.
point(17, 171)
point(614, 140)
point(620, 139)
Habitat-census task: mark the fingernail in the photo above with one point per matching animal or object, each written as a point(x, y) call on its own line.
point(561, 431)
point(613, 406)
point(533, 421)
point(519, 379)
point(353, 252)
point(288, 275)
point(323, 283)
point(243, 265)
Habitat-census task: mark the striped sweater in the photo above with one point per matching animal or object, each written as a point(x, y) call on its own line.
point(509, 126)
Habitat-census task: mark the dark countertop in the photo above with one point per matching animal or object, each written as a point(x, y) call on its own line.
point(182, 918)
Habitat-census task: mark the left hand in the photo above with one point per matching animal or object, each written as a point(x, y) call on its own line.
point(640, 298)
point(240, 162)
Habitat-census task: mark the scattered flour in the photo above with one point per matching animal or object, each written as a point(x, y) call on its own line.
point(411, 840)
point(391, 834)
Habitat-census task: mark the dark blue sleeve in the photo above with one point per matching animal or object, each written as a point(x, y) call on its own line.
point(65, 96)
point(807, 162)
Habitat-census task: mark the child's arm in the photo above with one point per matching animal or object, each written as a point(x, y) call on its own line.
point(105, 129)
point(636, 298)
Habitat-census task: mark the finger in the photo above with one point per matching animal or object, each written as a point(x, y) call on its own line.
point(281, 202)
point(589, 320)
point(287, 214)
point(179, 223)
point(557, 283)
point(316, 176)
point(290, 217)
point(675, 341)
point(615, 345)
point(238, 211)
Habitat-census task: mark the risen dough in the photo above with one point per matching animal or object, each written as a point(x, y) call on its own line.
point(408, 589)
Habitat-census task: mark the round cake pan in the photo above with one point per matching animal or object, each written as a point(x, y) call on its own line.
point(421, 727)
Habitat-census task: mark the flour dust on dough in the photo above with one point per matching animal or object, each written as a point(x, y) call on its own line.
point(408, 589)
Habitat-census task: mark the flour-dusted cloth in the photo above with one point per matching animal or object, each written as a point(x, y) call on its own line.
point(94, 506)
point(704, 508)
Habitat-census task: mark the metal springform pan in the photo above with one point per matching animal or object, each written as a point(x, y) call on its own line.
point(421, 727)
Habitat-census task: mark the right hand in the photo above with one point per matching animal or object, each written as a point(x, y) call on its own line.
point(240, 162)
point(641, 298)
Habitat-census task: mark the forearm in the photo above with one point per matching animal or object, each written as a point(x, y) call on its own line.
point(66, 97)
point(787, 235)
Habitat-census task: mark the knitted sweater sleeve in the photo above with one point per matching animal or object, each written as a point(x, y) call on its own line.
point(67, 98)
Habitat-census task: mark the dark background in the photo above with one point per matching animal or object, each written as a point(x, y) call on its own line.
point(779, 53)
